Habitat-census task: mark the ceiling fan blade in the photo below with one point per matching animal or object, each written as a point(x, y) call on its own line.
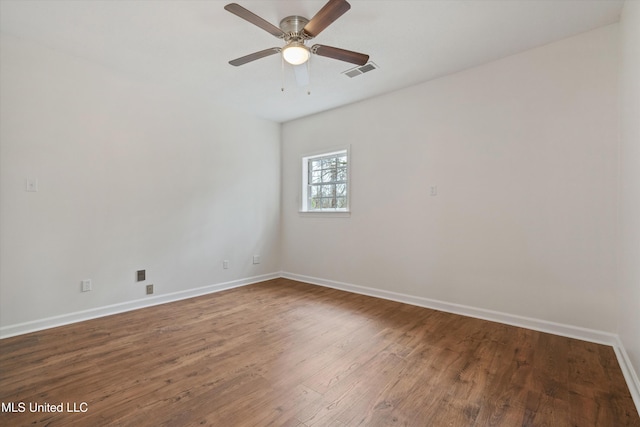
point(247, 15)
point(253, 56)
point(340, 54)
point(331, 11)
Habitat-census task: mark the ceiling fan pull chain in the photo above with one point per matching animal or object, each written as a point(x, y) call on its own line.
point(282, 72)
point(309, 74)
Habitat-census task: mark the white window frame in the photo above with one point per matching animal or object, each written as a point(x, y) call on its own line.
point(306, 185)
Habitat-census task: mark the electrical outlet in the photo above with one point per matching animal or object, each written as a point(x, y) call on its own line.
point(149, 289)
point(256, 259)
point(225, 264)
point(86, 285)
point(141, 275)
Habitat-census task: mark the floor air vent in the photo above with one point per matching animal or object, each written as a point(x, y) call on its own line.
point(354, 72)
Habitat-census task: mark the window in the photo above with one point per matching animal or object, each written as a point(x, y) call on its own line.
point(325, 182)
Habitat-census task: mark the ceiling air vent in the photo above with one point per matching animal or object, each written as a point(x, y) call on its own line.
point(353, 72)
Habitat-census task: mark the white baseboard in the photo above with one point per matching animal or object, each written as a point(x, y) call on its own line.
point(79, 316)
point(584, 334)
point(629, 373)
point(570, 331)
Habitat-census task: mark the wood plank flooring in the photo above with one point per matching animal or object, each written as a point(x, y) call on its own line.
point(284, 353)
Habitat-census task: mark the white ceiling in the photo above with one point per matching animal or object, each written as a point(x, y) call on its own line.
point(186, 44)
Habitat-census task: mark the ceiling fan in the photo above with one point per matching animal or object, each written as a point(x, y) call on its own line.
point(295, 31)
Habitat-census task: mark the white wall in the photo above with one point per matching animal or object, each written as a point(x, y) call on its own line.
point(131, 176)
point(629, 249)
point(524, 154)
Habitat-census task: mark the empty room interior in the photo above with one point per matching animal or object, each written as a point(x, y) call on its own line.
point(320, 213)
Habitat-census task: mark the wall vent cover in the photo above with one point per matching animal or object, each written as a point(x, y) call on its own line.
point(354, 72)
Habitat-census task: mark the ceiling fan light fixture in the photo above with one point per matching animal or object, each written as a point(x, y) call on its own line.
point(296, 53)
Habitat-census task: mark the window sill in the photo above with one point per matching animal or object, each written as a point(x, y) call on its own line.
point(324, 214)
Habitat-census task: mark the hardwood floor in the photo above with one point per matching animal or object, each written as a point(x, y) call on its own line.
point(284, 353)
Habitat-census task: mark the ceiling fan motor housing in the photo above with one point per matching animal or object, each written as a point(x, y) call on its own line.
point(293, 25)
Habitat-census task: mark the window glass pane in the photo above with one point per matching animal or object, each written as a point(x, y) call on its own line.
point(342, 174)
point(328, 190)
point(341, 190)
point(316, 177)
point(328, 176)
point(315, 191)
point(341, 202)
point(315, 165)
